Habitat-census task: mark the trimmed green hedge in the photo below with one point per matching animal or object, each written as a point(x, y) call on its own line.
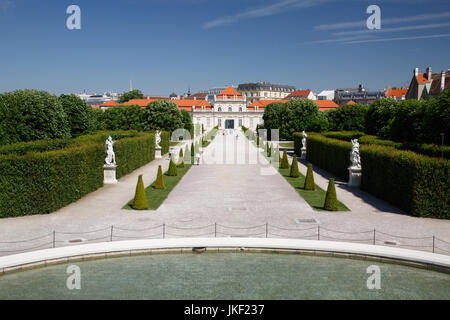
point(329, 154)
point(34, 182)
point(431, 150)
point(417, 184)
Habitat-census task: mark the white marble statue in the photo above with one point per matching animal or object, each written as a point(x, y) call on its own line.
point(354, 155)
point(304, 139)
point(110, 159)
point(158, 139)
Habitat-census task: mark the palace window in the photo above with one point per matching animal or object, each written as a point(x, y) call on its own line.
point(219, 123)
point(240, 122)
point(219, 109)
point(240, 109)
point(229, 109)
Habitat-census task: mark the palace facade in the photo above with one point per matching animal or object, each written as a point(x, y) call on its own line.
point(228, 111)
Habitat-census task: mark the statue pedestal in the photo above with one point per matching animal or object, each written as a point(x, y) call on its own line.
point(158, 153)
point(303, 155)
point(109, 174)
point(354, 177)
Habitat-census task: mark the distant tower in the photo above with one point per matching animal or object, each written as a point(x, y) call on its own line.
point(189, 92)
point(131, 85)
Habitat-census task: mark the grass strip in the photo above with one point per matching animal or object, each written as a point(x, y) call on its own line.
point(156, 197)
point(316, 198)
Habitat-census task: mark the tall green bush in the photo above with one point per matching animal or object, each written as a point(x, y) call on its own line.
point(331, 201)
point(294, 173)
point(309, 180)
point(159, 183)
point(27, 115)
point(140, 198)
point(379, 116)
point(173, 171)
point(284, 162)
point(347, 117)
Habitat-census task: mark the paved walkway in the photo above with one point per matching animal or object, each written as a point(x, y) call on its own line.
point(234, 186)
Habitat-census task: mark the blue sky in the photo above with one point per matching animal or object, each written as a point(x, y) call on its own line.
point(170, 45)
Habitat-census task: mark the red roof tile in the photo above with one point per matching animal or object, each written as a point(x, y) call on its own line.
point(110, 103)
point(299, 94)
point(229, 92)
point(397, 93)
point(351, 102)
point(326, 104)
point(421, 78)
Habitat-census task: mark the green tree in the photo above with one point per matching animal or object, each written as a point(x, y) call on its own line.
point(79, 114)
point(27, 115)
point(437, 119)
point(163, 115)
point(159, 184)
point(173, 171)
point(331, 202)
point(123, 117)
point(309, 180)
point(140, 198)
point(180, 159)
point(379, 116)
point(187, 122)
point(127, 96)
point(284, 162)
point(294, 173)
point(347, 118)
point(408, 121)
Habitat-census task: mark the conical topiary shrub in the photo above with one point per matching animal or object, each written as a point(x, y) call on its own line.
point(309, 181)
point(269, 151)
point(331, 201)
point(284, 161)
point(192, 152)
point(294, 168)
point(159, 184)
point(140, 198)
point(257, 141)
point(180, 160)
point(173, 171)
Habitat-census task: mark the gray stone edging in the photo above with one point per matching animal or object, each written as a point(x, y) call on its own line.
point(47, 257)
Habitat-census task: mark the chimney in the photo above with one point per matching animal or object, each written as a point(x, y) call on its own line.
point(416, 72)
point(442, 80)
point(429, 73)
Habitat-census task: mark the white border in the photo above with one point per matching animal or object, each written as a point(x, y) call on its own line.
point(127, 247)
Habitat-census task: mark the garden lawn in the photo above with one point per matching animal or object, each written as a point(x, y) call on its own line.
point(287, 144)
point(155, 197)
point(316, 198)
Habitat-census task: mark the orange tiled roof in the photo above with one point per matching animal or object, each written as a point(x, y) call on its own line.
point(299, 94)
point(398, 93)
point(326, 104)
point(110, 103)
point(261, 104)
point(140, 102)
point(229, 92)
point(421, 78)
point(351, 102)
point(95, 107)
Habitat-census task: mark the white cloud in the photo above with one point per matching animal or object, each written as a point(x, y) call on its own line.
point(384, 30)
point(342, 39)
point(445, 35)
point(384, 21)
point(265, 11)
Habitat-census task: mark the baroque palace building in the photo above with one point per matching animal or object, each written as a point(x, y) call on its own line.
point(228, 111)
